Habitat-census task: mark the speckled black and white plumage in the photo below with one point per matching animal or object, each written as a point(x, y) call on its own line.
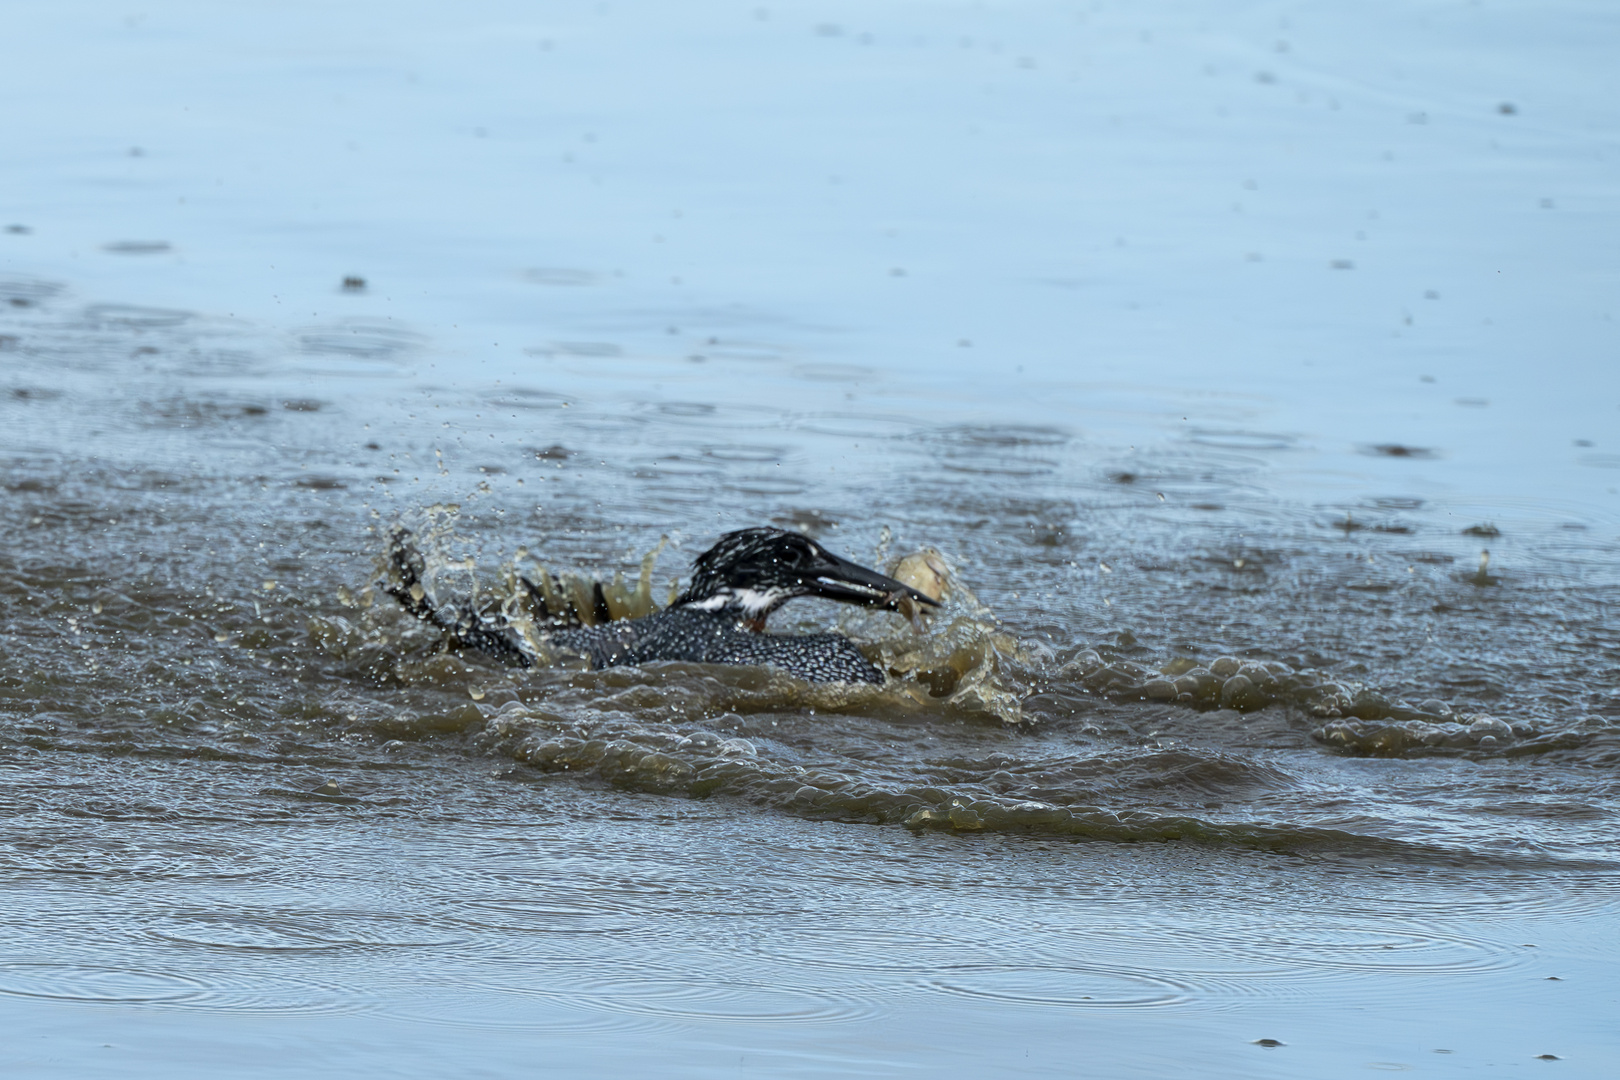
point(716, 638)
point(719, 619)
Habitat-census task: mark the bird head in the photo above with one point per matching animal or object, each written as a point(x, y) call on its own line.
point(752, 572)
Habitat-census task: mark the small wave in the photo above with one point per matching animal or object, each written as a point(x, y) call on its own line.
point(769, 486)
point(856, 425)
point(1474, 734)
point(595, 350)
point(1001, 436)
point(1352, 718)
point(182, 413)
point(702, 414)
point(558, 275)
point(137, 247)
point(833, 372)
point(130, 315)
point(703, 763)
point(315, 934)
point(1239, 439)
point(21, 291)
point(528, 398)
point(745, 453)
point(360, 342)
point(1007, 450)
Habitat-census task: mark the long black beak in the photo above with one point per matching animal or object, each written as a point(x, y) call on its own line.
point(851, 583)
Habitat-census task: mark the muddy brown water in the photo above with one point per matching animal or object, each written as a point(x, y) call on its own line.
point(1229, 765)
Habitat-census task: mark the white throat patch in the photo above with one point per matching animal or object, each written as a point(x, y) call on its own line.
point(752, 602)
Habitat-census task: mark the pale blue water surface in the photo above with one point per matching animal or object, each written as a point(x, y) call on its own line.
point(1207, 344)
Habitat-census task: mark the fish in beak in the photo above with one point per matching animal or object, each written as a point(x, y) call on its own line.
point(835, 578)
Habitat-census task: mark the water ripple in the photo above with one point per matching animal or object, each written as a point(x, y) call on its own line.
point(99, 984)
point(1066, 987)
